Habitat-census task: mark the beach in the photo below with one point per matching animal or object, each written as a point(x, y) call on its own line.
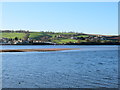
point(39, 50)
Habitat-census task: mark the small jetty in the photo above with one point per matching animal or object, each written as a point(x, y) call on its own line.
point(37, 50)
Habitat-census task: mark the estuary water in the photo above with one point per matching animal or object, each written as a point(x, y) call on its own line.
point(91, 66)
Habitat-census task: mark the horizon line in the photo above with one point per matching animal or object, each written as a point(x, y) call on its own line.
point(56, 31)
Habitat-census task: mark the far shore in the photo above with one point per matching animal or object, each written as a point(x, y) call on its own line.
point(37, 50)
point(82, 43)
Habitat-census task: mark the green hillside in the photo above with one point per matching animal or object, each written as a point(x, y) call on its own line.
point(13, 35)
point(61, 41)
point(34, 35)
point(59, 38)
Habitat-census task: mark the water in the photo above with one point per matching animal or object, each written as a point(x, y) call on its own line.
point(90, 67)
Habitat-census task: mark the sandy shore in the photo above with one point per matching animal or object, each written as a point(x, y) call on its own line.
point(38, 50)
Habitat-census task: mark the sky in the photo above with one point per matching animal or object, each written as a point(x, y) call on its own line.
point(86, 17)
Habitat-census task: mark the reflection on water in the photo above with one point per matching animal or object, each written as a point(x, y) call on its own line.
point(89, 67)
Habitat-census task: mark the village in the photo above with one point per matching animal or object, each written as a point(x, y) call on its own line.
point(52, 38)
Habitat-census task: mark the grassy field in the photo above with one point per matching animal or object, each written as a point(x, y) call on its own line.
point(82, 36)
point(61, 41)
point(13, 35)
point(34, 35)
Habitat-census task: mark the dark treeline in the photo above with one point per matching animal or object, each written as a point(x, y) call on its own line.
point(26, 31)
point(14, 31)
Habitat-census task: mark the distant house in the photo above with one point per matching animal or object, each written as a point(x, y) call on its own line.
point(73, 38)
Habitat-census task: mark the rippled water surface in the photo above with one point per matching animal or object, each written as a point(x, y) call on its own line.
point(88, 67)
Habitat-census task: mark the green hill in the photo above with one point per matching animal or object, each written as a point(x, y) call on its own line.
point(13, 35)
point(59, 38)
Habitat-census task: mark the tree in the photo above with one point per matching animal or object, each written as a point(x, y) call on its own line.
point(78, 41)
point(26, 36)
point(16, 38)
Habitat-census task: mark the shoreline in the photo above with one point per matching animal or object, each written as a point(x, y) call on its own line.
point(58, 44)
point(82, 43)
point(38, 50)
